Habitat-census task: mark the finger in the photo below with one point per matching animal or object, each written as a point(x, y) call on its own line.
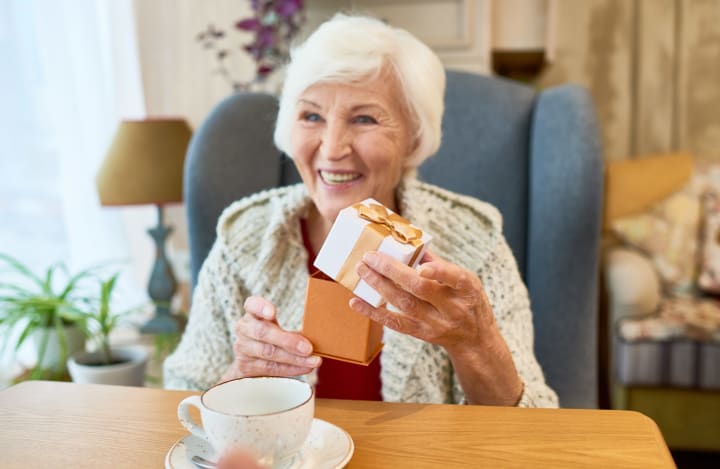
point(269, 352)
point(269, 332)
point(398, 274)
point(446, 273)
point(390, 291)
point(427, 264)
point(260, 308)
point(395, 321)
point(428, 261)
point(429, 256)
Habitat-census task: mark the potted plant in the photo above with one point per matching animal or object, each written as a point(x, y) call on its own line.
point(106, 364)
point(35, 312)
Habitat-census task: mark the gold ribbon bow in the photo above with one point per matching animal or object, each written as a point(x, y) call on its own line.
point(382, 224)
point(399, 227)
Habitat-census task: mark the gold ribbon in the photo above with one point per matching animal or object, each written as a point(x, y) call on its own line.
point(399, 227)
point(382, 224)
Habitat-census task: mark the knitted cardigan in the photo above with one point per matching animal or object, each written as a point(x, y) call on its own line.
point(259, 251)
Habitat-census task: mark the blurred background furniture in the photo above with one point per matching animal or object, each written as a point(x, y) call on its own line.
point(661, 360)
point(534, 155)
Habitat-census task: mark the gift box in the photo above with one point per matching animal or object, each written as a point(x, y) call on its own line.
point(363, 227)
point(334, 329)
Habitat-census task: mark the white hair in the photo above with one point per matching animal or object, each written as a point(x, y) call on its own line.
point(351, 48)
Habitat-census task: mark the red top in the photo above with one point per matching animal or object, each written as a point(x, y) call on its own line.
point(338, 379)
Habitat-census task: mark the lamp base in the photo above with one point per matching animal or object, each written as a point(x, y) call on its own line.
point(162, 285)
point(161, 324)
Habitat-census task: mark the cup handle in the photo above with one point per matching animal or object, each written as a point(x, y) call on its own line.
point(186, 420)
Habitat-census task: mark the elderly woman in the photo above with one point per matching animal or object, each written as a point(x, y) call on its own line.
point(360, 109)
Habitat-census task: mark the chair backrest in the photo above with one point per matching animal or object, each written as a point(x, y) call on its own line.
point(535, 156)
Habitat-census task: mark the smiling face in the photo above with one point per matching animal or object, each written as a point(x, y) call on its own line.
point(349, 142)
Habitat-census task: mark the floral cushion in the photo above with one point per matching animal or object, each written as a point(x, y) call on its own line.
point(668, 234)
point(678, 318)
point(709, 278)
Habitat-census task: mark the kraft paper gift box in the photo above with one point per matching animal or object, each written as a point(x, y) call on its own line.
point(335, 330)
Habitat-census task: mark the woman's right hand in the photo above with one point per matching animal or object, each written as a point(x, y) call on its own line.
point(263, 348)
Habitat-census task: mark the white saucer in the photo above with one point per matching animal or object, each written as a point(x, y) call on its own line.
point(327, 447)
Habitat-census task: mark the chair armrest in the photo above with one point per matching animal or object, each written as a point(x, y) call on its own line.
point(632, 283)
point(566, 184)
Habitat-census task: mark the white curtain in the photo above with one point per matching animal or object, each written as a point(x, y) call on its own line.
point(89, 52)
point(69, 71)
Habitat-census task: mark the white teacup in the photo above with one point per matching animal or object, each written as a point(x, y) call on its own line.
point(270, 416)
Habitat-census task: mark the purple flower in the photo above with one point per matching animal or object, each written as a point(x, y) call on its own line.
point(287, 8)
point(266, 37)
point(264, 70)
point(248, 24)
point(254, 51)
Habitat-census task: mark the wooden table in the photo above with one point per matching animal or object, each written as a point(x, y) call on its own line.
point(65, 425)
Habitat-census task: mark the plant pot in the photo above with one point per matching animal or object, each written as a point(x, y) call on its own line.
point(87, 367)
point(52, 359)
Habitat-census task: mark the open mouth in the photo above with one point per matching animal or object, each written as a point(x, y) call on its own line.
point(333, 178)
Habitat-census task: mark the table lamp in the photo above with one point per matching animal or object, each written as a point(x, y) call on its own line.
point(144, 165)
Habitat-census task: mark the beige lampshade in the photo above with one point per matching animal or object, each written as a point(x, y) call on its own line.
point(144, 164)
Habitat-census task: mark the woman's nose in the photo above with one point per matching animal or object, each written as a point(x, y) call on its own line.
point(336, 140)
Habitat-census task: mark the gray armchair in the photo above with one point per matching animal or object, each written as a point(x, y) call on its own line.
point(535, 156)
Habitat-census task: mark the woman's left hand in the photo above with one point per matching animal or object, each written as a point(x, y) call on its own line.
point(440, 303)
point(444, 304)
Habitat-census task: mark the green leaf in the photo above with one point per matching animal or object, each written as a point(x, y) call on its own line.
point(72, 283)
point(30, 327)
point(41, 354)
point(90, 271)
point(14, 288)
point(62, 340)
point(71, 313)
point(47, 283)
point(21, 269)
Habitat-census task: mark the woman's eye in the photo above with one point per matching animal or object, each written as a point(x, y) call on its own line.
point(364, 120)
point(311, 117)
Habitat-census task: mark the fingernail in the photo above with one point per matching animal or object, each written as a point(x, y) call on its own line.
point(370, 258)
point(362, 269)
point(267, 312)
point(356, 304)
point(304, 347)
point(312, 361)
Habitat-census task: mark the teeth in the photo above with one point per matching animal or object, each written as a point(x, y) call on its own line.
point(338, 178)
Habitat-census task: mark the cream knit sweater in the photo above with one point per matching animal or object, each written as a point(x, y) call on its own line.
point(259, 251)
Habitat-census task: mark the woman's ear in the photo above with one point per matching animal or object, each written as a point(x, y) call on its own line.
point(415, 143)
